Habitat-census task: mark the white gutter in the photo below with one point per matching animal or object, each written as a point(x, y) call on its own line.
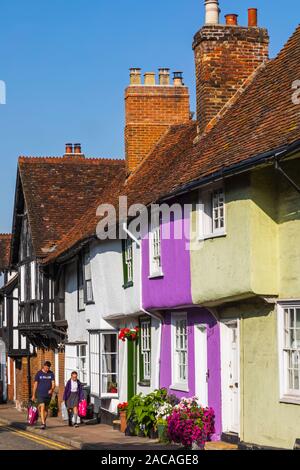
point(125, 229)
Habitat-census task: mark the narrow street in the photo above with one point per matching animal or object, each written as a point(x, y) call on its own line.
point(14, 439)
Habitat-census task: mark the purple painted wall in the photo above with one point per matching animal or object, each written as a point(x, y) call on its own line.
point(174, 288)
point(194, 317)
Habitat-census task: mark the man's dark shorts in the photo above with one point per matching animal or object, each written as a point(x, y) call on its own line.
point(44, 401)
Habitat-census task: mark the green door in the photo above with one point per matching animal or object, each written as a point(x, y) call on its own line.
point(132, 368)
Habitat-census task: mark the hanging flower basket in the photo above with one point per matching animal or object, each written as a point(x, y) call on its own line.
point(131, 334)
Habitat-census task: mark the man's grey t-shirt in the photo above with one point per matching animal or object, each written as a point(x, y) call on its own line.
point(44, 380)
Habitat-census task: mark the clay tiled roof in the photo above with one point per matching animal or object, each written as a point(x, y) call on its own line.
point(146, 185)
point(5, 240)
point(264, 118)
point(58, 191)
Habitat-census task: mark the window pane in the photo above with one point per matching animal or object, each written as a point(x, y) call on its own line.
point(109, 363)
point(109, 343)
point(292, 318)
point(298, 317)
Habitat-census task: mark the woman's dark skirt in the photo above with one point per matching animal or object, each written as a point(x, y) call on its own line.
point(73, 400)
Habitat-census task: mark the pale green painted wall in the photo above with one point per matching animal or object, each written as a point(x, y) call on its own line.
point(289, 235)
point(264, 420)
point(244, 262)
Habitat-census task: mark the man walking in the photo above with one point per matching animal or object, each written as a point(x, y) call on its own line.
point(44, 385)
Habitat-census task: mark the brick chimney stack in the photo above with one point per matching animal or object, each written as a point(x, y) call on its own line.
point(150, 109)
point(225, 56)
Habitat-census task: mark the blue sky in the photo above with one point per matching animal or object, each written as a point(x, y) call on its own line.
point(65, 64)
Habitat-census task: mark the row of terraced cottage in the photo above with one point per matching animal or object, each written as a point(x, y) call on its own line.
point(218, 307)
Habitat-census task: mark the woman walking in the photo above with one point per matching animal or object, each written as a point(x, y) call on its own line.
point(73, 395)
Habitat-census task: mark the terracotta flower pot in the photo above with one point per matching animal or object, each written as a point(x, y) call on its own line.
point(123, 419)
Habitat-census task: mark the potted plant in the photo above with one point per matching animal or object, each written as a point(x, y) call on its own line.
point(191, 425)
point(122, 408)
point(131, 334)
point(163, 412)
point(142, 410)
point(53, 407)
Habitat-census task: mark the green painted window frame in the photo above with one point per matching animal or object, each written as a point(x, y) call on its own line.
point(144, 382)
point(127, 282)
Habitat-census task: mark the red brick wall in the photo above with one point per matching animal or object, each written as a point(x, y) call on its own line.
point(150, 110)
point(36, 363)
point(225, 56)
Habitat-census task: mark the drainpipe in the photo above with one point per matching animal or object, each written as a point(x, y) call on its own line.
point(125, 229)
point(160, 318)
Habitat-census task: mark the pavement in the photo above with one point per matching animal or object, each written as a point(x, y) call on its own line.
point(94, 437)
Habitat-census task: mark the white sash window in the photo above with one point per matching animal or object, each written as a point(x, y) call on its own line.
point(179, 351)
point(289, 354)
point(212, 213)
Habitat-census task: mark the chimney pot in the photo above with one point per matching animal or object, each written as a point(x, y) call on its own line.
point(212, 12)
point(252, 17)
point(164, 76)
point(77, 149)
point(135, 76)
point(149, 78)
point(69, 149)
point(231, 19)
point(178, 78)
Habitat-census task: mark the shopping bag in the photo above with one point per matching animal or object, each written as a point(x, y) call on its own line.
point(82, 408)
point(33, 415)
point(64, 412)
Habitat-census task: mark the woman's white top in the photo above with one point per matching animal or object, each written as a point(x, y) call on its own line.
point(74, 386)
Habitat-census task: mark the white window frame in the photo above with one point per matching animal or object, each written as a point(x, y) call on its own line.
point(286, 395)
point(145, 345)
point(94, 358)
point(177, 383)
point(129, 259)
point(206, 210)
point(155, 252)
point(102, 394)
point(88, 281)
point(82, 370)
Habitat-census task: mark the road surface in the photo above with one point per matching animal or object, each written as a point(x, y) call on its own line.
point(15, 439)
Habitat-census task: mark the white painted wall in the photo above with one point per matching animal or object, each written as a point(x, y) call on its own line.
point(114, 308)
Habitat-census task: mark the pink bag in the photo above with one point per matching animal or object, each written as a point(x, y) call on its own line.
point(82, 409)
point(33, 415)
